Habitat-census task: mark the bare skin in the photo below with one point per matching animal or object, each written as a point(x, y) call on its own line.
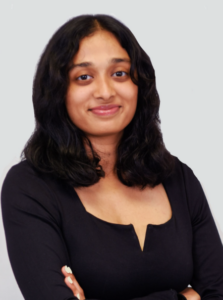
point(102, 81)
point(113, 202)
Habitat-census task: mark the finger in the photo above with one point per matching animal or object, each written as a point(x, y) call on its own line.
point(77, 291)
point(66, 271)
point(72, 283)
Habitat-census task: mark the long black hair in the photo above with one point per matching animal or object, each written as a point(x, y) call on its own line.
point(57, 145)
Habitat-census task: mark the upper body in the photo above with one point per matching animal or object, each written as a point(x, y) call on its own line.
point(98, 190)
point(47, 226)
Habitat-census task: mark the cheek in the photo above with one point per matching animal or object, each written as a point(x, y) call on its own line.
point(129, 91)
point(130, 95)
point(76, 103)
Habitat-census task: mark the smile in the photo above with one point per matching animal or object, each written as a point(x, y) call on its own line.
point(105, 112)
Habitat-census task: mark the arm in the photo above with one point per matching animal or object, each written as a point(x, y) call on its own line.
point(33, 234)
point(35, 243)
point(72, 283)
point(207, 246)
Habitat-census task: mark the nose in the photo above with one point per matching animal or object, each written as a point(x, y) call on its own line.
point(104, 88)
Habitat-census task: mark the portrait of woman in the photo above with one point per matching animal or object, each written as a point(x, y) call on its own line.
point(98, 208)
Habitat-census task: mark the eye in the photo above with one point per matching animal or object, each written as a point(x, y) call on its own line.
point(119, 74)
point(84, 77)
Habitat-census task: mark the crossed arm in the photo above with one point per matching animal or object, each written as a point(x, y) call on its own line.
point(71, 282)
point(37, 249)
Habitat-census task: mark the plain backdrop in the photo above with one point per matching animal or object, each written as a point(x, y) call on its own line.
point(184, 42)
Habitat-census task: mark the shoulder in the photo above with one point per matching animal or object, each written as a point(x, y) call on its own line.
point(23, 168)
point(25, 175)
point(182, 172)
point(184, 179)
point(25, 189)
point(22, 176)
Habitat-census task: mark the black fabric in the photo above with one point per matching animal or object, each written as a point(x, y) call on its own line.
point(47, 227)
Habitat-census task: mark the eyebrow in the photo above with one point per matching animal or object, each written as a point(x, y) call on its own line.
point(89, 64)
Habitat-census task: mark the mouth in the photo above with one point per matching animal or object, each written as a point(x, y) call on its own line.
point(105, 110)
point(106, 106)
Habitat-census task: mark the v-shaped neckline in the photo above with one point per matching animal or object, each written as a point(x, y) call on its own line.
point(130, 225)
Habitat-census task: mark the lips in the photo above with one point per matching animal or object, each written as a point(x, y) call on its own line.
point(105, 110)
point(104, 107)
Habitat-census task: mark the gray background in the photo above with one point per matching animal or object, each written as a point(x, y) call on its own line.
point(184, 41)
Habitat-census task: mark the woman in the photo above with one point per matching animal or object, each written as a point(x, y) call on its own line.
point(98, 192)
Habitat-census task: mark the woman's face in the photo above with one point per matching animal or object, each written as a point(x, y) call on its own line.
point(98, 77)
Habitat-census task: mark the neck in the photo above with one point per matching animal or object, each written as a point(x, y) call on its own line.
point(106, 147)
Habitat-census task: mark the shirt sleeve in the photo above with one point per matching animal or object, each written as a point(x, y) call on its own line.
point(35, 243)
point(207, 246)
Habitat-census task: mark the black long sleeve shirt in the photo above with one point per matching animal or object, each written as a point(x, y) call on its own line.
point(47, 227)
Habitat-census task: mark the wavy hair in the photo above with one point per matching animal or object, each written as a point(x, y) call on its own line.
point(57, 145)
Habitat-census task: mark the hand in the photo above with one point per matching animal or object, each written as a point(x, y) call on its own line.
point(72, 283)
point(190, 294)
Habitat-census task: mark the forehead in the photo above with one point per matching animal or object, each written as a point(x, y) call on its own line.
point(102, 45)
